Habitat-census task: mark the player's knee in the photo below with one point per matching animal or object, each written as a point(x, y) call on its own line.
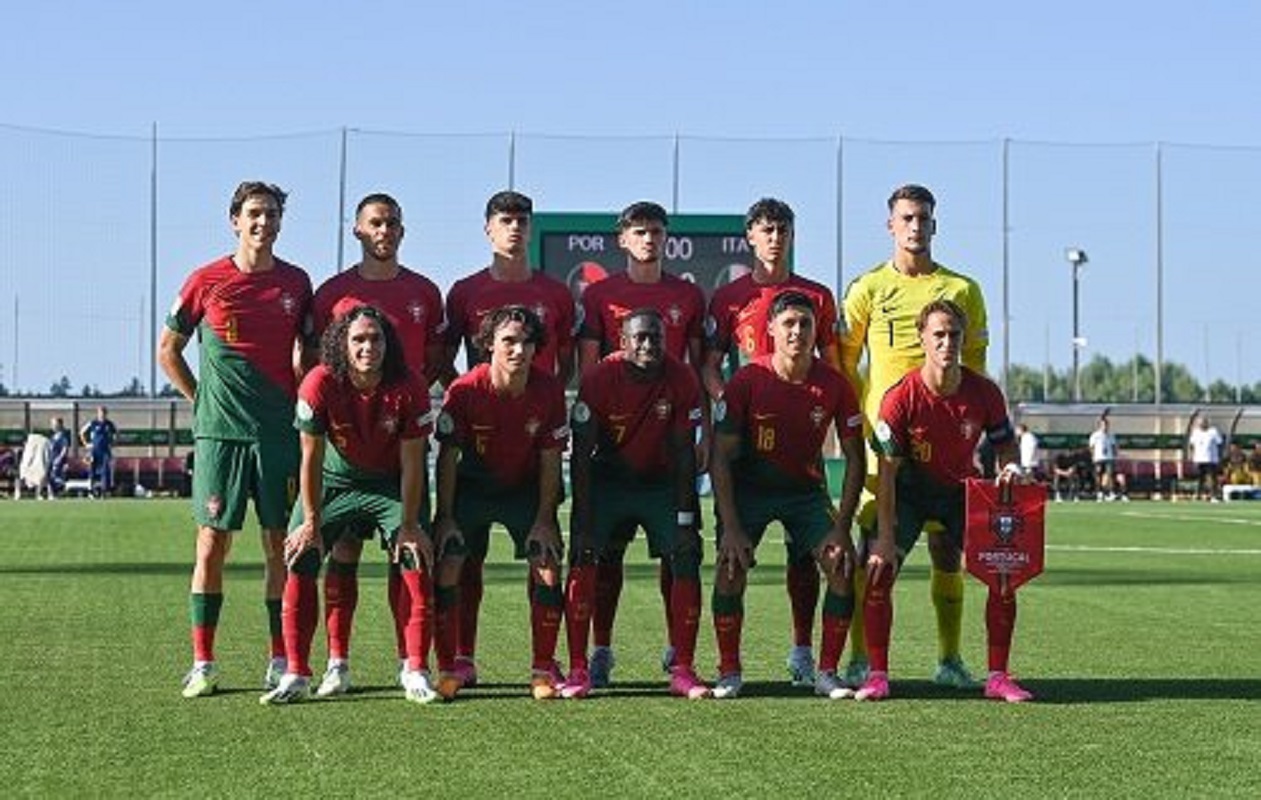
point(685, 564)
point(307, 564)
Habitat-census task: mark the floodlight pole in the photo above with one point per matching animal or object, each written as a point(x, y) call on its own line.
point(1077, 258)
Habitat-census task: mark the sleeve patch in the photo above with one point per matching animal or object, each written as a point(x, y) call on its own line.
point(581, 413)
point(446, 424)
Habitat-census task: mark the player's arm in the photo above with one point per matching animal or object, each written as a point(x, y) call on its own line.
point(588, 354)
point(711, 373)
point(444, 526)
point(695, 362)
point(853, 335)
point(734, 549)
point(310, 494)
point(414, 488)
point(174, 365)
point(976, 338)
point(437, 366)
point(681, 443)
point(545, 532)
point(884, 551)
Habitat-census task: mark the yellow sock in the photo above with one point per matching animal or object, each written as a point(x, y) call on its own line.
point(857, 644)
point(947, 593)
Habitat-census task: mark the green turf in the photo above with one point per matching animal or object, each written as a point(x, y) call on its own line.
point(1145, 662)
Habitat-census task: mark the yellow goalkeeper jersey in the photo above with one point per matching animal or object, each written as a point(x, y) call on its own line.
point(880, 309)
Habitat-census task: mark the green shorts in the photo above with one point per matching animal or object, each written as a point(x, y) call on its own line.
point(619, 510)
point(360, 512)
point(477, 509)
point(921, 500)
point(230, 473)
point(808, 516)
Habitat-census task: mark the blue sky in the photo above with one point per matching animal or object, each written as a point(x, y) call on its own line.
point(759, 93)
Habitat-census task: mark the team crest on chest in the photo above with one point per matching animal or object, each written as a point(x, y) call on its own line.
point(817, 415)
point(532, 426)
point(288, 304)
point(541, 311)
point(662, 408)
point(674, 315)
point(967, 429)
point(417, 310)
point(390, 424)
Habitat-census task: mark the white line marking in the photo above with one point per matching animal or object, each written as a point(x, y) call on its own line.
point(1177, 551)
point(1193, 518)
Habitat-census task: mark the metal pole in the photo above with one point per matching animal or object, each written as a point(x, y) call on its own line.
point(1006, 276)
point(16, 347)
point(512, 160)
point(674, 177)
point(153, 263)
point(1076, 336)
point(1160, 282)
point(840, 220)
point(341, 205)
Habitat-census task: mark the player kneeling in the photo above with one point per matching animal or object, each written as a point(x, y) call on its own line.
point(376, 416)
point(634, 465)
point(929, 426)
point(767, 465)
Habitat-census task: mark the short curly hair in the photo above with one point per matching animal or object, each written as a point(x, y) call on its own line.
point(535, 333)
point(333, 345)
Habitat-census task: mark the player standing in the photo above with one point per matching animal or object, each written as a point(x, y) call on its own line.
point(767, 465)
point(363, 401)
point(508, 280)
point(633, 465)
point(413, 305)
point(881, 307)
point(737, 326)
point(500, 434)
point(606, 305)
point(250, 311)
point(927, 432)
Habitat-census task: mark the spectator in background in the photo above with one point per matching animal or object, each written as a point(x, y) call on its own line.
point(1205, 444)
point(60, 457)
point(1235, 470)
point(1027, 441)
point(36, 454)
point(1254, 463)
point(99, 435)
point(1103, 453)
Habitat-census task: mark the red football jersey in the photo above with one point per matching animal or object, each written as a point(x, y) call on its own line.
point(364, 428)
point(940, 434)
point(500, 436)
point(634, 419)
point(738, 315)
point(783, 425)
point(472, 298)
point(410, 301)
point(606, 303)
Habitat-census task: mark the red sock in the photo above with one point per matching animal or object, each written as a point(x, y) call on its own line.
point(413, 609)
point(838, 610)
point(204, 642)
point(1000, 624)
point(878, 620)
point(802, 578)
point(299, 618)
point(608, 590)
point(341, 596)
point(547, 604)
point(446, 625)
point(471, 588)
point(685, 615)
point(579, 599)
point(393, 587)
point(204, 611)
point(665, 584)
point(275, 629)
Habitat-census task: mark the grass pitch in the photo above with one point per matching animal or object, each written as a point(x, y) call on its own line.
point(1141, 641)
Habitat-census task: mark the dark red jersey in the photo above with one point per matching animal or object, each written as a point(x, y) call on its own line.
point(472, 298)
point(364, 429)
point(633, 420)
point(246, 323)
point(939, 434)
point(783, 425)
point(412, 303)
point(739, 311)
point(607, 303)
point(500, 436)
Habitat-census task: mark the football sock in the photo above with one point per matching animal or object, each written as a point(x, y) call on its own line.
point(802, 578)
point(728, 610)
point(838, 610)
point(341, 596)
point(547, 604)
point(275, 629)
point(203, 612)
point(413, 609)
point(608, 590)
point(446, 625)
point(665, 584)
point(947, 592)
point(579, 599)
point(857, 626)
point(878, 619)
point(300, 618)
point(471, 588)
point(1000, 623)
point(685, 618)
